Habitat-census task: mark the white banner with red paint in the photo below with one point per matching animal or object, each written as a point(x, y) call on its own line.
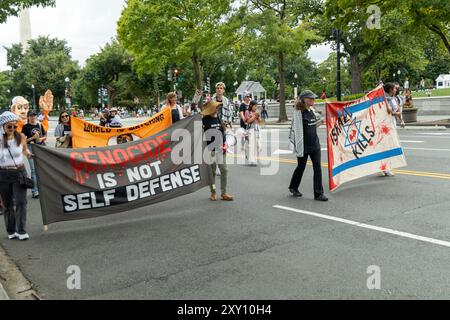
point(362, 139)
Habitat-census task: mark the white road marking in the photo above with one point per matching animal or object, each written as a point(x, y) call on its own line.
point(411, 141)
point(437, 133)
point(277, 152)
point(368, 226)
point(427, 149)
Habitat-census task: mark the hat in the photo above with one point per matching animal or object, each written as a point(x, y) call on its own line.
point(32, 113)
point(8, 116)
point(114, 109)
point(307, 94)
point(210, 108)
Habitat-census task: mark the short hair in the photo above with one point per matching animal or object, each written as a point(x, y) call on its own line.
point(221, 84)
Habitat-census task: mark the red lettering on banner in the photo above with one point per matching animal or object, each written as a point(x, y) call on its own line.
point(84, 163)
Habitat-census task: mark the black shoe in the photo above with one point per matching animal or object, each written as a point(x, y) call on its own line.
point(322, 197)
point(296, 193)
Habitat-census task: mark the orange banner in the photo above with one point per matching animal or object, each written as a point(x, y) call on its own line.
point(88, 135)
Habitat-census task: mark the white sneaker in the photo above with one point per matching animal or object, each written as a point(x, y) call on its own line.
point(13, 236)
point(24, 236)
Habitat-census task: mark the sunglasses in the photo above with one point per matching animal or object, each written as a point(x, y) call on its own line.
point(11, 127)
point(66, 116)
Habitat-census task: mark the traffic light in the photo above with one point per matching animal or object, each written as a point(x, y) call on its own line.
point(208, 84)
point(169, 75)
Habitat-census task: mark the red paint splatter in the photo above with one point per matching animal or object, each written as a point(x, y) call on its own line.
point(371, 143)
point(383, 167)
point(385, 130)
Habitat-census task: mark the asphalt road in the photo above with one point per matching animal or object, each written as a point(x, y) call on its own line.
point(192, 248)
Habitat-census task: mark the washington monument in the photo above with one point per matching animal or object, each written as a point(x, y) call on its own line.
point(25, 28)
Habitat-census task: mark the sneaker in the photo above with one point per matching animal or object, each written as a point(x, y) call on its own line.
point(322, 197)
point(227, 197)
point(296, 193)
point(24, 236)
point(35, 194)
point(389, 174)
point(13, 236)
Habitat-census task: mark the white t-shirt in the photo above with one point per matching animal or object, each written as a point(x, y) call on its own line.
point(16, 152)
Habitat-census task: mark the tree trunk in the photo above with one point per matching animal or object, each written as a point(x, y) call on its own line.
point(355, 65)
point(197, 76)
point(281, 68)
point(112, 93)
point(442, 35)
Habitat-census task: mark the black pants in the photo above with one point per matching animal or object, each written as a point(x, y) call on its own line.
point(298, 173)
point(13, 193)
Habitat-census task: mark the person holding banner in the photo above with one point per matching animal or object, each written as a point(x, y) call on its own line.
point(226, 109)
point(35, 134)
point(13, 189)
point(305, 141)
point(213, 128)
point(177, 110)
point(63, 131)
point(394, 109)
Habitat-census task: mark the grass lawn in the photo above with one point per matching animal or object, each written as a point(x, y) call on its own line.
point(434, 93)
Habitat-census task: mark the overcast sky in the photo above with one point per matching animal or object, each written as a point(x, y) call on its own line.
point(87, 25)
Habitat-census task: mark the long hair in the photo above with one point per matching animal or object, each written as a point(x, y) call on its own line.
point(170, 95)
point(17, 137)
point(300, 105)
point(60, 119)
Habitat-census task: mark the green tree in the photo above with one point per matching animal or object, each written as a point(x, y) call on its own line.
point(373, 53)
point(45, 65)
point(103, 69)
point(280, 28)
point(5, 90)
point(13, 7)
point(173, 32)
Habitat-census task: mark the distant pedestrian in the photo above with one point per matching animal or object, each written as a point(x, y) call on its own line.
point(303, 136)
point(406, 84)
point(177, 110)
point(253, 119)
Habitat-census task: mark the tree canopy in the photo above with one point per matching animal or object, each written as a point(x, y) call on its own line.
point(13, 7)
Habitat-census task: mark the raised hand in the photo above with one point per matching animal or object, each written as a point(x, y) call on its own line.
point(46, 102)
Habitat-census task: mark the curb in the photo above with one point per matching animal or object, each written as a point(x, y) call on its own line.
point(3, 294)
point(13, 284)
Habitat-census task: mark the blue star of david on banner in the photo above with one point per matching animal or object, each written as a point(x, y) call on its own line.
point(357, 126)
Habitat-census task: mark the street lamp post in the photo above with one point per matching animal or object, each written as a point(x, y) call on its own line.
point(68, 102)
point(295, 86)
point(34, 96)
point(399, 73)
point(338, 50)
point(9, 94)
